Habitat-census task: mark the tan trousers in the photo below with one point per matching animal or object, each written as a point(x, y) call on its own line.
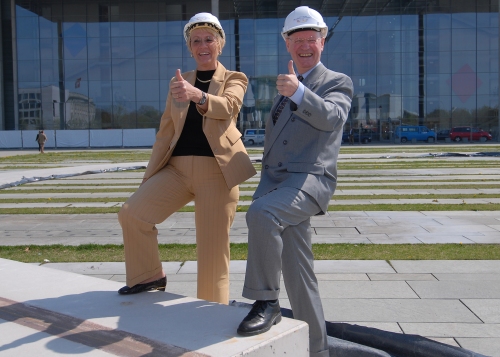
point(184, 179)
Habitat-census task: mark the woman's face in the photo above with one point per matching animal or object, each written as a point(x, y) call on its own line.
point(205, 49)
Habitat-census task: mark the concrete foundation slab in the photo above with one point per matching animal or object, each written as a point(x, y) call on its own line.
point(90, 309)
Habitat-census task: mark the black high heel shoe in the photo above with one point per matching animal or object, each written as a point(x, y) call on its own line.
point(159, 284)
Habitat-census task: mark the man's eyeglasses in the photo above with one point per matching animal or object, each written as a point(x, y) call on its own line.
point(300, 41)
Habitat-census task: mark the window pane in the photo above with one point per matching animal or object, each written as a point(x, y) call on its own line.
point(146, 47)
point(266, 45)
point(28, 49)
point(148, 90)
point(49, 71)
point(171, 46)
point(100, 91)
point(27, 27)
point(339, 42)
point(365, 64)
point(28, 71)
point(389, 63)
point(99, 70)
point(122, 47)
point(123, 69)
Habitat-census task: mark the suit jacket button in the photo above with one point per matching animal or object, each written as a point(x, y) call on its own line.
point(266, 167)
point(280, 164)
point(293, 119)
point(285, 142)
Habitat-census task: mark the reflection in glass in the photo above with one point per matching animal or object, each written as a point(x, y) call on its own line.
point(28, 71)
point(122, 69)
point(148, 90)
point(146, 47)
point(109, 65)
point(27, 27)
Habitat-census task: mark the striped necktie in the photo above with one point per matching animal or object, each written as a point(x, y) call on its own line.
point(282, 104)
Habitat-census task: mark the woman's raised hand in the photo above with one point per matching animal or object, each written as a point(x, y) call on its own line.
point(183, 91)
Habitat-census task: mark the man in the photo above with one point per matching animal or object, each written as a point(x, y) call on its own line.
point(299, 174)
point(351, 136)
point(41, 138)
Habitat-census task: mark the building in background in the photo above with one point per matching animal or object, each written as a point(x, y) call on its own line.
point(93, 64)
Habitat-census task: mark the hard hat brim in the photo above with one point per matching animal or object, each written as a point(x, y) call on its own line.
point(191, 27)
point(306, 28)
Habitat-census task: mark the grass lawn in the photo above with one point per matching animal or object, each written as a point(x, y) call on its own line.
point(187, 252)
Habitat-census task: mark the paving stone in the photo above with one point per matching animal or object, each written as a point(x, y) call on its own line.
point(339, 240)
point(366, 290)
point(442, 239)
point(487, 310)
point(119, 277)
point(397, 310)
point(335, 230)
point(465, 276)
point(486, 346)
point(349, 223)
point(485, 240)
point(457, 330)
point(446, 266)
point(341, 277)
point(405, 277)
point(393, 239)
point(447, 341)
point(352, 266)
point(456, 289)
point(384, 326)
point(393, 229)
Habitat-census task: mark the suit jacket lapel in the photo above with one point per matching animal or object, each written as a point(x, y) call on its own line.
point(272, 134)
point(286, 114)
point(314, 76)
point(217, 80)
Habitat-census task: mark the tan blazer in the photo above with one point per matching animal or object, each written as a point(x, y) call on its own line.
point(225, 97)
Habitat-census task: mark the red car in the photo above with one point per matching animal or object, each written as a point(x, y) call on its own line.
point(459, 133)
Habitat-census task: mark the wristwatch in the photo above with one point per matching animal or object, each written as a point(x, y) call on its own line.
point(203, 99)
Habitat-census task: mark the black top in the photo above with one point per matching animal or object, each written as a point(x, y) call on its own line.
point(193, 141)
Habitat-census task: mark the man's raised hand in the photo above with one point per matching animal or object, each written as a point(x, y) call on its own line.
point(287, 84)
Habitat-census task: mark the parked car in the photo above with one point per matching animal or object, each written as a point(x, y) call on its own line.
point(443, 134)
point(404, 133)
point(254, 136)
point(366, 136)
point(460, 133)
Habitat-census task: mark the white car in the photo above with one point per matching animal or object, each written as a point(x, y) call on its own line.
point(254, 136)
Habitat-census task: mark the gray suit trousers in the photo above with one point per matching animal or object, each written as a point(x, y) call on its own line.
point(279, 239)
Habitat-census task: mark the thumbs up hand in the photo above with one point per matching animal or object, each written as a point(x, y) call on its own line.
point(287, 84)
point(181, 90)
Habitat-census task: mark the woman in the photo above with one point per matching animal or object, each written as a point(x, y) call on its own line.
point(198, 155)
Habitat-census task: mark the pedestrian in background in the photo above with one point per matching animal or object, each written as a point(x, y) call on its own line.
point(351, 136)
point(41, 138)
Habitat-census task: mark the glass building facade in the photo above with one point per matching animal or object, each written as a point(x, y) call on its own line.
point(93, 64)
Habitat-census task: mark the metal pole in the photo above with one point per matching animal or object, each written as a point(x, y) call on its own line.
point(215, 8)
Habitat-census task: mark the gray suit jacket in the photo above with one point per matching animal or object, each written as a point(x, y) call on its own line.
point(301, 150)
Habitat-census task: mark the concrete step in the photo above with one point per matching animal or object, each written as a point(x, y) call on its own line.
point(85, 314)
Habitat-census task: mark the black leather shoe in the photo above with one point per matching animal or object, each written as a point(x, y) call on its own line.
point(159, 284)
point(261, 318)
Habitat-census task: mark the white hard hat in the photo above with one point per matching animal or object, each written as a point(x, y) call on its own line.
point(304, 18)
point(203, 19)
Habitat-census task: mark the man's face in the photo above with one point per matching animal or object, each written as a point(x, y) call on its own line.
point(305, 47)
